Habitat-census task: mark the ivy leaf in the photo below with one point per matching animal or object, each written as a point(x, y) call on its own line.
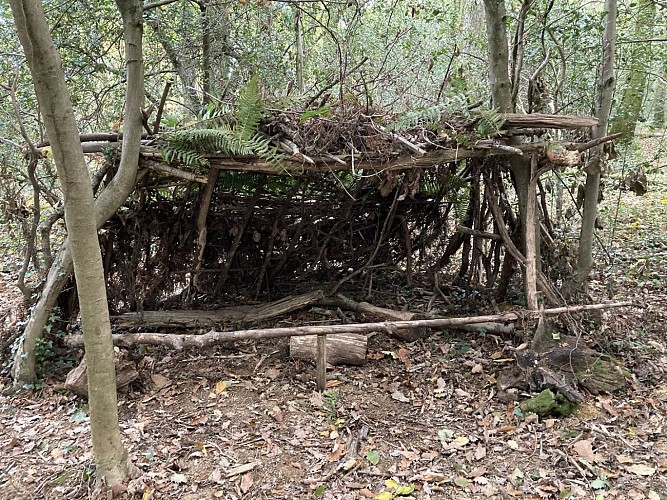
point(391, 484)
point(373, 457)
point(179, 478)
point(598, 484)
point(462, 482)
point(404, 490)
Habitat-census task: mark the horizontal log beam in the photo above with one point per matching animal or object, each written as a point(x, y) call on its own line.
point(214, 337)
point(537, 120)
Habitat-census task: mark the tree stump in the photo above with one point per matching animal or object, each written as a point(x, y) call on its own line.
point(77, 379)
point(342, 349)
point(565, 365)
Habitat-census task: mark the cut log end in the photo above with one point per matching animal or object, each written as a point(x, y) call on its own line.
point(342, 349)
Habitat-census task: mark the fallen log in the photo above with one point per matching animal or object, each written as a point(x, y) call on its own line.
point(206, 319)
point(343, 349)
point(407, 335)
point(538, 120)
point(415, 333)
point(214, 337)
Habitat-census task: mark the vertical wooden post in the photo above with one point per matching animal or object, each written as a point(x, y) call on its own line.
point(532, 231)
point(321, 362)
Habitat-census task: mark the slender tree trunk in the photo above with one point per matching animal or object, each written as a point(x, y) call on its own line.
point(113, 465)
point(659, 96)
point(206, 52)
point(594, 165)
point(113, 196)
point(501, 94)
point(639, 63)
point(298, 28)
point(501, 91)
point(499, 78)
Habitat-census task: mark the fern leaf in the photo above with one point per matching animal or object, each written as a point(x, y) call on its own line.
point(248, 109)
point(489, 122)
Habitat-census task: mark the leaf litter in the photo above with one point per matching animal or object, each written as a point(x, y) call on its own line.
point(419, 420)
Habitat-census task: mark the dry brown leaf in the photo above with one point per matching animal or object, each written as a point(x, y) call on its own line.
point(246, 482)
point(12, 442)
point(300, 433)
point(477, 471)
point(462, 393)
point(404, 356)
point(317, 399)
point(641, 469)
point(337, 453)
point(480, 452)
point(584, 448)
point(277, 414)
point(216, 476)
point(624, 459)
point(221, 386)
point(160, 381)
point(198, 420)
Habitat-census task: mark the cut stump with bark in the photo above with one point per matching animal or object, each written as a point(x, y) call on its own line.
point(564, 364)
point(342, 349)
point(77, 379)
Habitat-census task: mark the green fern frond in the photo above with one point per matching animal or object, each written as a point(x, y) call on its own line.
point(423, 116)
point(248, 109)
point(428, 184)
point(189, 147)
point(489, 122)
point(240, 138)
point(238, 181)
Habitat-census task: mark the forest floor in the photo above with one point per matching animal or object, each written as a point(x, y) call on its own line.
point(419, 420)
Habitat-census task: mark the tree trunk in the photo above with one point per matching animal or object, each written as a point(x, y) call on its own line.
point(113, 196)
point(501, 94)
point(206, 52)
point(659, 96)
point(594, 166)
point(639, 64)
point(113, 465)
point(298, 28)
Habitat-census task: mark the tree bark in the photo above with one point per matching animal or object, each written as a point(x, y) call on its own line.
point(298, 28)
point(343, 349)
point(112, 462)
point(659, 96)
point(594, 166)
point(109, 200)
point(532, 240)
point(639, 57)
point(501, 93)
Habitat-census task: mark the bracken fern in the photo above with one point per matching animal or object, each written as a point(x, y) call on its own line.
point(237, 136)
